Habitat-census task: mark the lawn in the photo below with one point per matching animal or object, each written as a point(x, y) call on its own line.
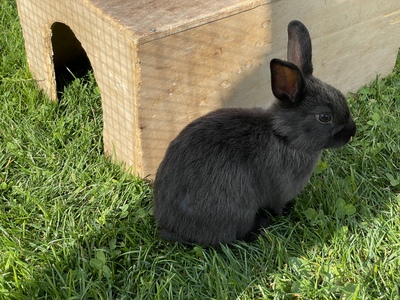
point(74, 225)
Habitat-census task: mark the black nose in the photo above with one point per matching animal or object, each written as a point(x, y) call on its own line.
point(345, 135)
point(352, 128)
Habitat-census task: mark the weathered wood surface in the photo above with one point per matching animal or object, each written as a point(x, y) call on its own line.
point(160, 64)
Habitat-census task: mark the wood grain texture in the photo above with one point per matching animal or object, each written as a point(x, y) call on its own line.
point(160, 65)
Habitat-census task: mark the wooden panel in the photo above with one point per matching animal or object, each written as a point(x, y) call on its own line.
point(226, 63)
point(185, 75)
point(112, 55)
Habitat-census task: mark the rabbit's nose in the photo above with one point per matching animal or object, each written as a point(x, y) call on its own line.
point(352, 128)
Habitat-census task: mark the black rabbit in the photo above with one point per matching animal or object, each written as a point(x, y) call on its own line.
point(225, 168)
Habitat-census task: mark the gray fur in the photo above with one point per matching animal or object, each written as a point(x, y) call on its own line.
point(225, 168)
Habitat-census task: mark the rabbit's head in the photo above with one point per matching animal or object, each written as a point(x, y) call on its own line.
point(309, 114)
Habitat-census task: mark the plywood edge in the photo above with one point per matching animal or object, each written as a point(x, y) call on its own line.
point(139, 155)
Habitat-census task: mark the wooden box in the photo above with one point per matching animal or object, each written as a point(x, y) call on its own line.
point(160, 64)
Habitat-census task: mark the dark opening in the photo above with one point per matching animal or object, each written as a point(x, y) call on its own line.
point(69, 58)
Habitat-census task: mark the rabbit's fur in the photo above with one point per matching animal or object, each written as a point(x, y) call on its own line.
point(225, 168)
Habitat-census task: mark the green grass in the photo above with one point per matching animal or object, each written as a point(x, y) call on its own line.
point(73, 225)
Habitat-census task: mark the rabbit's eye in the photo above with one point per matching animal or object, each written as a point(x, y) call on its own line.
point(324, 118)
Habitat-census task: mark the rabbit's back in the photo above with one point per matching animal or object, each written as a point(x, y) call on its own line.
point(197, 190)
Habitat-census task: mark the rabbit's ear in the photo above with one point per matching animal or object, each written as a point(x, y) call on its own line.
point(299, 50)
point(286, 80)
